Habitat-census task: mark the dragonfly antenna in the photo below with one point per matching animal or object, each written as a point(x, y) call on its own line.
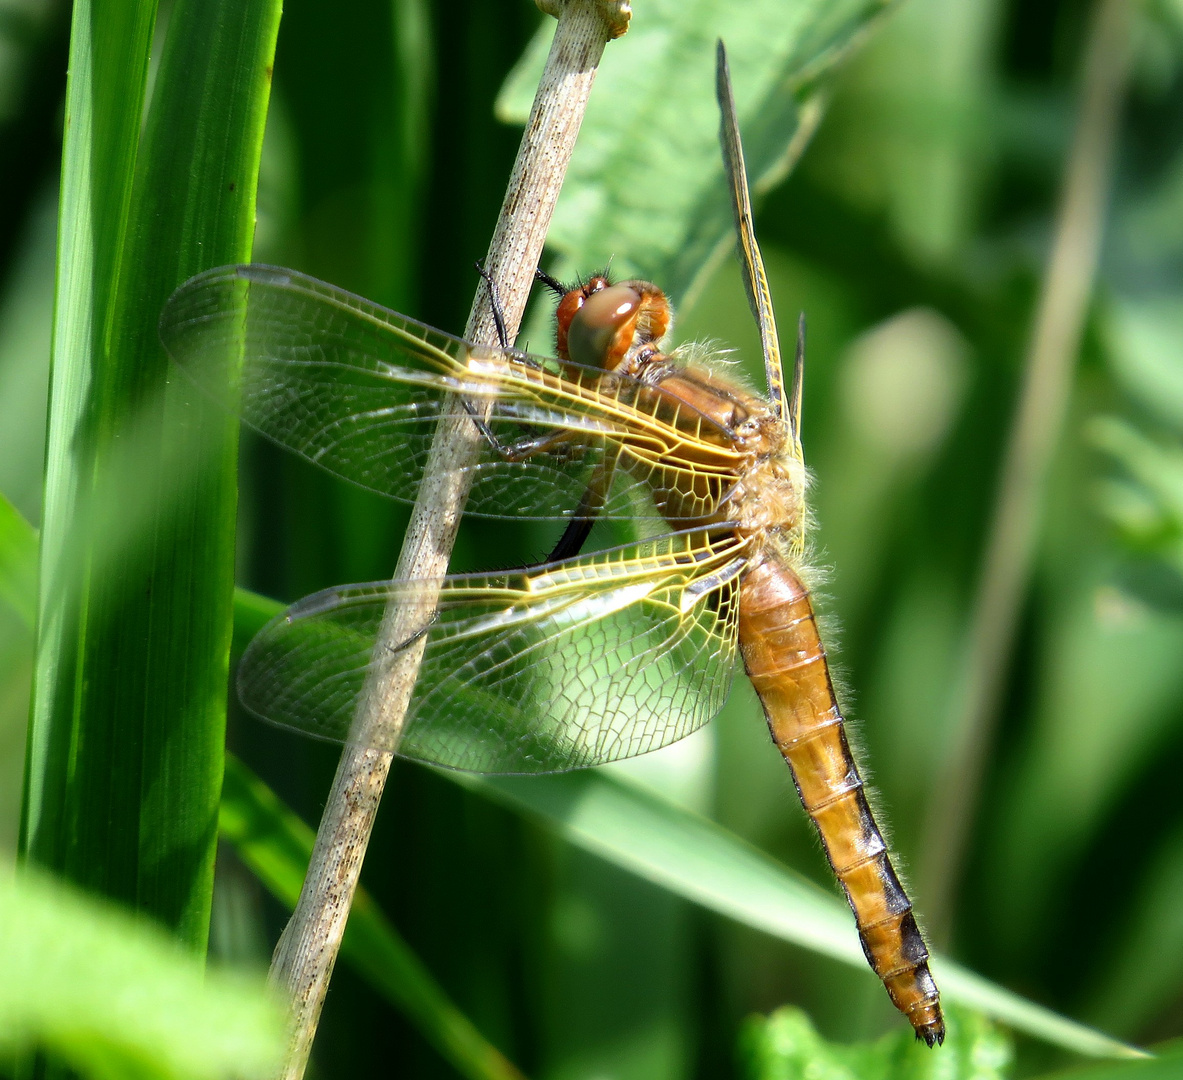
point(495, 303)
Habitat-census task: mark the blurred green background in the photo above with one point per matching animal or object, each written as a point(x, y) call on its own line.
point(913, 233)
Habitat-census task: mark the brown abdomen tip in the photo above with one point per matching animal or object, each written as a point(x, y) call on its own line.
point(932, 1031)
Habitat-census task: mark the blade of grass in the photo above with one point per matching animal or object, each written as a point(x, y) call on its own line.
point(1167, 1067)
point(18, 581)
point(703, 862)
point(125, 750)
point(251, 613)
point(109, 45)
point(18, 562)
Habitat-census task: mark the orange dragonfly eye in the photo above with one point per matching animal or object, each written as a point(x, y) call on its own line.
point(570, 306)
point(601, 331)
point(602, 325)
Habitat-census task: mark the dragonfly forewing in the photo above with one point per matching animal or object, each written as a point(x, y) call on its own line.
point(358, 390)
point(564, 666)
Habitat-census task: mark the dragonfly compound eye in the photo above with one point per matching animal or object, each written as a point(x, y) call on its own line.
point(601, 331)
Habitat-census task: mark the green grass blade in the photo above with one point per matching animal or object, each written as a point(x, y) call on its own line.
point(114, 997)
point(18, 562)
point(18, 581)
point(703, 862)
point(125, 748)
point(251, 613)
point(1167, 1067)
point(108, 66)
point(276, 845)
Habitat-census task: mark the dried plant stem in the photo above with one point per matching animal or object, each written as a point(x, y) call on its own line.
point(304, 958)
point(1039, 419)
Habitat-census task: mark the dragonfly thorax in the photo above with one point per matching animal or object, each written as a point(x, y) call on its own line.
point(768, 497)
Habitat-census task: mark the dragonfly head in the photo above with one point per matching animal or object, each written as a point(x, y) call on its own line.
point(607, 326)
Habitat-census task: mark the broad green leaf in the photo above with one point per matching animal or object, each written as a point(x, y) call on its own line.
point(18, 580)
point(113, 996)
point(645, 187)
point(276, 845)
point(701, 861)
point(785, 1046)
point(127, 727)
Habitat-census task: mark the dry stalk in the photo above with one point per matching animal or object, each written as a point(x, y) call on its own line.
point(304, 958)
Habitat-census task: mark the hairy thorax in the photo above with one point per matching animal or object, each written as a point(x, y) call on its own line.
point(766, 499)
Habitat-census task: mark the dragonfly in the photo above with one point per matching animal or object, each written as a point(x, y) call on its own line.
point(587, 658)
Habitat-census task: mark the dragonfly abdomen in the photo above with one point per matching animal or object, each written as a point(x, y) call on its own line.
point(786, 663)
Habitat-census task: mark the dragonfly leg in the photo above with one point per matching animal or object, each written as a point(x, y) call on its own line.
point(519, 449)
point(495, 304)
point(571, 542)
point(406, 643)
point(590, 504)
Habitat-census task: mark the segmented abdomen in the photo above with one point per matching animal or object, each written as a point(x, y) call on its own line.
point(786, 662)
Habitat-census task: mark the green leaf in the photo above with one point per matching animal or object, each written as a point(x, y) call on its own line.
point(659, 206)
point(113, 997)
point(1167, 1067)
point(785, 1046)
point(276, 845)
point(127, 727)
point(1142, 342)
point(703, 862)
point(18, 562)
point(251, 613)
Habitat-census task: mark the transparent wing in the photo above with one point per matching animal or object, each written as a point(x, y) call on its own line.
point(358, 390)
point(787, 405)
point(559, 667)
point(755, 279)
